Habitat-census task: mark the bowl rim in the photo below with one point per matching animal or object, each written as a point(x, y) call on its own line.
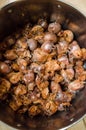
point(7, 2)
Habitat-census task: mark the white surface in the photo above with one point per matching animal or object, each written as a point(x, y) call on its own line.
point(78, 4)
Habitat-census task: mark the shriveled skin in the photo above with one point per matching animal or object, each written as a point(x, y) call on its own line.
point(83, 51)
point(25, 100)
point(42, 67)
point(22, 53)
point(79, 71)
point(51, 66)
point(49, 107)
point(41, 85)
point(23, 109)
point(63, 97)
point(36, 30)
point(62, 47)
point(14, 77)
point(15, 66)
point(28, 77)
point(66, 35)
point(34, 110)
point(63, 61)
point(37, 33)
point(10, 54)
point(67, 74)
point(75, 50)
point(75, 85)
point(20, 90)
point(30, 86)
point(15, 103)
point(37, 68)
point(35, 95)
point(22, 63)
point(39, 38)
point(45, 93)
point(39, 56)
point(21, 43)
point(55, 87)
point(57, 78)
point(62, 106)
point(5, 86)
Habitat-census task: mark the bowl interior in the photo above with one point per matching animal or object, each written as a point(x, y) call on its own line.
point(14, 16)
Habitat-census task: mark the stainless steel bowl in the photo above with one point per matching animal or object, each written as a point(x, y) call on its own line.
point(13, 15)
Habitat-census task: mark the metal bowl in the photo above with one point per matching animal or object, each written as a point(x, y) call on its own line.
point(15, 14)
